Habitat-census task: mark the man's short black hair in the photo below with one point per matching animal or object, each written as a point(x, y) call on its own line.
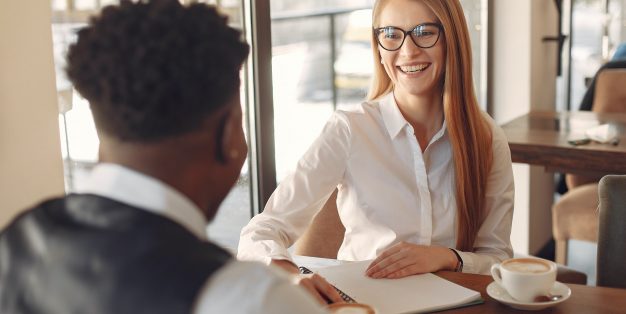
point(156, 69)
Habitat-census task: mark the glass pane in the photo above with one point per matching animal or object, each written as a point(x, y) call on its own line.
point(304, 66)
point(353, 66)
point(302, 89)
point(78, 133)
point(80, 142)
point(588, 18)
point(86, 4)
point(598, 30)
point(617, 28)
point(475, 14)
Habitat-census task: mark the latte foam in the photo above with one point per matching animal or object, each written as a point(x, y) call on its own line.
point(527, 266)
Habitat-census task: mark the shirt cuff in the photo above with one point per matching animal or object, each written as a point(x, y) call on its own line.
point(264, 257)
point(468, 262)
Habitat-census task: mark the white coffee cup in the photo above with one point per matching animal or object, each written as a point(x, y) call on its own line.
point(525, 278)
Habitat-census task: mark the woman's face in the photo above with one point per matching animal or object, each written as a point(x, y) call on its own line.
point(413, 70)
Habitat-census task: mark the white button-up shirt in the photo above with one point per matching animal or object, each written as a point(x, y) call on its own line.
point(389, 191)
point(237, 287)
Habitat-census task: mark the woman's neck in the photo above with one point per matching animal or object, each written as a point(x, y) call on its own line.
point(423, 112)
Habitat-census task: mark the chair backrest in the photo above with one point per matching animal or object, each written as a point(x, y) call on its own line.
point(325, 233)
point(612, 232)
point(610, 95)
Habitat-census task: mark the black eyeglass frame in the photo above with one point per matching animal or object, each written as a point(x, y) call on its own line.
point(376, 31)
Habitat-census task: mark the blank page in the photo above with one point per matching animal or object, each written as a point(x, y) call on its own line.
point(418, 293)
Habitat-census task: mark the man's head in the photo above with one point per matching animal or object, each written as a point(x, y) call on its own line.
point(156, 69)
point(163, 83)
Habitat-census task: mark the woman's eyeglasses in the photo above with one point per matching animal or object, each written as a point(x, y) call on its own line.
point(391, 38)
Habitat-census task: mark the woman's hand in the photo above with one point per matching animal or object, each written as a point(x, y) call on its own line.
point(315, 284)
point(405, 259)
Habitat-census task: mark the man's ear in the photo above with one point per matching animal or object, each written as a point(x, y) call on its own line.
point(225, 148)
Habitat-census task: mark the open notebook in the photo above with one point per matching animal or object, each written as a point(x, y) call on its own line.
point(413, 294)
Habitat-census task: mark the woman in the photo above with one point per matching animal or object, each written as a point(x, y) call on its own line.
point(418, 168)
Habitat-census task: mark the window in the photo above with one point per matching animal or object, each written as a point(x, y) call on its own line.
point(321, 60)
point(78, 134)
point(597, 29)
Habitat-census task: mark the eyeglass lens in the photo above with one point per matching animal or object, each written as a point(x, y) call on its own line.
point(392, 38)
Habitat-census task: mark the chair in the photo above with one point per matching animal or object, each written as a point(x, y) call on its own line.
point(574, 216)
point(610, 93)
point(612, 232)
point(325, 235)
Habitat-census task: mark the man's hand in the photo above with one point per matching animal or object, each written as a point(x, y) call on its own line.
point(286, 265)
point(315, 284)
point(405, 259)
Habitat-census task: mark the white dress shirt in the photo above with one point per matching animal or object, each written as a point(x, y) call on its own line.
point(389, 191)
point(237, 287)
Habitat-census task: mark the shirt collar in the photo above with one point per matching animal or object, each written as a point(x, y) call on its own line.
point(393, 118)
point(395, 121)
point(139, 190)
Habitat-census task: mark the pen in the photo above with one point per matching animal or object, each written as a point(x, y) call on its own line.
point(344, 296)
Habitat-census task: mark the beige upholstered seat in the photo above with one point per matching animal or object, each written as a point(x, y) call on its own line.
point(610, 94)
point(325, 235)
point(574, 216)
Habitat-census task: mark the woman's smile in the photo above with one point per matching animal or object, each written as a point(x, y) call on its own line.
point(413, 68)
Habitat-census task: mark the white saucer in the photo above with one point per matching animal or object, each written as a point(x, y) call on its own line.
point(495, 291)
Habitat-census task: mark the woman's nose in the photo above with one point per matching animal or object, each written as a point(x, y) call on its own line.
point(409, 48)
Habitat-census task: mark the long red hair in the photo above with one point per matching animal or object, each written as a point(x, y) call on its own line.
point(469, 132)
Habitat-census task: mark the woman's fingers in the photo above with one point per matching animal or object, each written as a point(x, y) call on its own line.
point(374, 266)
point(404, 259)
point(386, 258)
point(390, 265)
point(403, 272)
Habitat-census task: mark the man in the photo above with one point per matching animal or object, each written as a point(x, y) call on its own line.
point(163, 83)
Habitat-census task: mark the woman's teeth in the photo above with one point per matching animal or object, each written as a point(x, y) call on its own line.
point(413, 68)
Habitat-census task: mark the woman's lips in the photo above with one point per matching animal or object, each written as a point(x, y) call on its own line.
point(413, 68)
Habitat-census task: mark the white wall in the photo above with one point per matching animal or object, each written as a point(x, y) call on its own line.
point(523, 74)
point(30, 158)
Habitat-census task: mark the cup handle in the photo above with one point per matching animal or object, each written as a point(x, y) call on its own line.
point(495, 273)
